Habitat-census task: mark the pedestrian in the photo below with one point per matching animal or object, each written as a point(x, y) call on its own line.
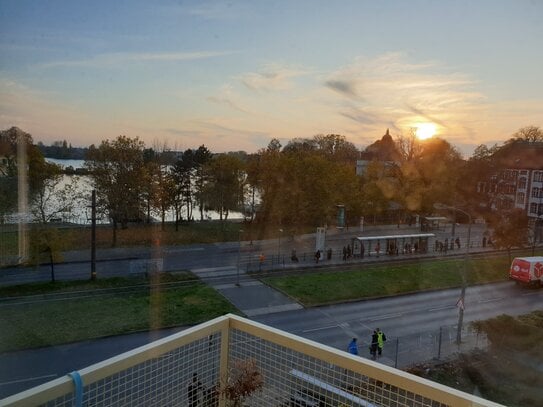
point(353, 347)
point(362, 250)
point(377, 248)
point(344, 253)
point(348, 251)
point(484, 241)
point(381, 339)
point(194, 389)
point(457, 241)
point(317, 256)
point(293, 256)
point(261, 259)
point(374, 343)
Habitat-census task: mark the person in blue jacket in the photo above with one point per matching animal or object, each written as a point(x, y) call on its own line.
point(353, 347)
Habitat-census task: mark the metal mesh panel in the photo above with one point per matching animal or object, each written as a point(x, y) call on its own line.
point(166, 380)
point(292, 378)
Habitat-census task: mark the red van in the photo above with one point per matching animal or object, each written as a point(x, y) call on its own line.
point(528, 270)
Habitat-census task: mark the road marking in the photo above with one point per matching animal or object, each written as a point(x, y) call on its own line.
point(490, 300)
point(193, 249)
point(387, 316)
point(319, 329)
point(209, 269)
point(442, 308)
point(534, 293)
point(29, 379)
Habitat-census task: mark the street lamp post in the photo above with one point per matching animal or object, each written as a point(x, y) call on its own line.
point(279, 248)
point(239, 250)
point(461, 301)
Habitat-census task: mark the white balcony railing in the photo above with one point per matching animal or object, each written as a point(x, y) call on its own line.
point(295, 372)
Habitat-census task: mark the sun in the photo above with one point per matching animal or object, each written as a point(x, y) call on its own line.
point(425, 130)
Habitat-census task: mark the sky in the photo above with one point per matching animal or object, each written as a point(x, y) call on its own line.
point(232, 75)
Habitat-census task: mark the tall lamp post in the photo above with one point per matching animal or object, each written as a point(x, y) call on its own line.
point(279, 248)
point(461, 301)
point(239, 250)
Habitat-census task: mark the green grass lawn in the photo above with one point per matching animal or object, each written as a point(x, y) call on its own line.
point(51, 323)
point(381, 280)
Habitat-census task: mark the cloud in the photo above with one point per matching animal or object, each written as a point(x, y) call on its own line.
point(402, 92)
point(345, 87)
point(271, 78)
point(120, 58)
point(226, 96)
point(361, 116)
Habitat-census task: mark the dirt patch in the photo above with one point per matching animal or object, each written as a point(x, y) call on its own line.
point(510, 372)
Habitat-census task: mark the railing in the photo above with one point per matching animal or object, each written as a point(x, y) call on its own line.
point(197, 362)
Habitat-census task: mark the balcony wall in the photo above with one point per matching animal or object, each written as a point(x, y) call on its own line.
point(295, 372)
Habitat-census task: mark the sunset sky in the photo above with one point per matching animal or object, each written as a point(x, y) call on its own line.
point(233, 75)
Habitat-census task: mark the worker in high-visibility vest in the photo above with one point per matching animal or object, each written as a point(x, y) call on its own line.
point(381, 338)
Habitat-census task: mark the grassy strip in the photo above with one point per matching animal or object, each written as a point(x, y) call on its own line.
point(152, 234)
point(56, 322)
point(83, 285)
point(381, 280)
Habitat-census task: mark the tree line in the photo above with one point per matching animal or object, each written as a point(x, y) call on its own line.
point(297, 185)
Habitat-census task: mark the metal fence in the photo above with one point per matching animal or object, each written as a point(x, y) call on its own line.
point(433, 345)
point(192, 367)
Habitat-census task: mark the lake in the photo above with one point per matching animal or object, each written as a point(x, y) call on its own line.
point(81, 211)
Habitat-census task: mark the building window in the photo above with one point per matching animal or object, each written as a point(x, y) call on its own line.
point(520, 198)
point(533, 208)
point(538, 176)
point(535, 192)
point(522, 183)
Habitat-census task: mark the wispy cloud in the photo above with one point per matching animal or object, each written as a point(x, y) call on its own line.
point(345, 87)
point(119, 58)
point(226, 96)
point(402, 92)
point(271, 78)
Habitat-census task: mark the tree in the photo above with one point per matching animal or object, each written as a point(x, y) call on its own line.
point(510, 229)
point(531, 134)
point(202, 157)
point(117, 172)
point(224, 189)
point(12, 142)
point(337, 148)
point(183, 173)
point(46, 243)
point(51, 199)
